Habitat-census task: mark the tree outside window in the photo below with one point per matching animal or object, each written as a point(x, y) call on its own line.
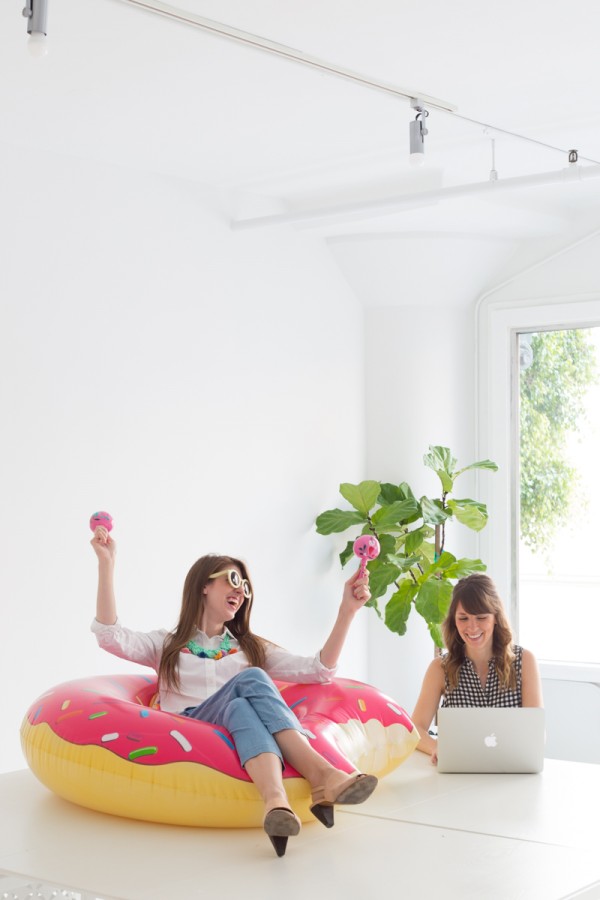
point(559, 442)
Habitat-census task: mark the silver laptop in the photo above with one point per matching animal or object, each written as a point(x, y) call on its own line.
point(491, 739)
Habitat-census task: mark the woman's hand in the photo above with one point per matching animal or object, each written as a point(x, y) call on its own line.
point(356, 592)
point(103, 545)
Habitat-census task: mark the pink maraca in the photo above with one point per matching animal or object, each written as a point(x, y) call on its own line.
point(366, 547)
point(103, 519)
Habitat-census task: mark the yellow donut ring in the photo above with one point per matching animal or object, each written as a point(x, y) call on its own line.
point(97, 743)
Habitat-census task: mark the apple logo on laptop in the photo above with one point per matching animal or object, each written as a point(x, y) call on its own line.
point(491, 740)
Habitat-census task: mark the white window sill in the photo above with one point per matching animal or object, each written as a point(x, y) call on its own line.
point(569, 671)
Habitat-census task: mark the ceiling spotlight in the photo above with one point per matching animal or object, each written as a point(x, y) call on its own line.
point(417, 132)
point(36, 13)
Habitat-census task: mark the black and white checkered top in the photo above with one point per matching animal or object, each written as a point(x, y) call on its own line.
point(470, 692)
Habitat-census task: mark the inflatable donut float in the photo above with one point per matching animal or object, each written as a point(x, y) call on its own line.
point(99, 743)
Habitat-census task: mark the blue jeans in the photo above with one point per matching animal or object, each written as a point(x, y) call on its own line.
point(251, 708)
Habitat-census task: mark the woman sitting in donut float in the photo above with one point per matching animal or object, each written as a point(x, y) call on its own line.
point(212, 667)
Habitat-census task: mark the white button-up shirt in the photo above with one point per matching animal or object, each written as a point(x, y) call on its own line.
point(200, 677)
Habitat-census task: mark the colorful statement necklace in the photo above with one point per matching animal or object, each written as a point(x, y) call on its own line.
point(224, 649)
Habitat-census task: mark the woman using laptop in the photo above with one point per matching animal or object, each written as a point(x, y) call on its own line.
point(482, 666)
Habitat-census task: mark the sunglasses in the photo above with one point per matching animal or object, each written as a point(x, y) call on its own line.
point(235, 580)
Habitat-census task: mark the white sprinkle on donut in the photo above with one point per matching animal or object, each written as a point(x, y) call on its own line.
point(395, 709)
point(181, 740)
point(110, 737)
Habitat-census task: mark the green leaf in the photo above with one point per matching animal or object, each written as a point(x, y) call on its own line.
point(441, 564)
point(399, 606)
point(387, 544)
point(400, 511)
point(482, 464)
point(436, 633)
point(433, 599)
point(432, 511)
point(442, 462)
point(373, 604)
point(381, 575)
point(440, 458)
point(334, 520)
point(404, 563)
point(470, 513)
point(406, 489)
point(347, 553)
point(447, 481)
point(427, 550)
point(463, 567)
point(391, 493)
point(363, 496)
point(414, 539)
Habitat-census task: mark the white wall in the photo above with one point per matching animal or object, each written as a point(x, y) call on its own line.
point(420, 370)
point(205, 387)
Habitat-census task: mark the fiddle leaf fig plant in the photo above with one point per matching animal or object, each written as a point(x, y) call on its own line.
point(413, 567)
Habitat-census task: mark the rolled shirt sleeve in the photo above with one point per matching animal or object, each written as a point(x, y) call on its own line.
point(284, 666)
point(136, 646)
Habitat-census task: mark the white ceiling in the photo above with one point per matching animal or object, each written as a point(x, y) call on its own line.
point(128, 87)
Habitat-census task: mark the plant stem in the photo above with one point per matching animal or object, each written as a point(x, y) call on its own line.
point(443, 526)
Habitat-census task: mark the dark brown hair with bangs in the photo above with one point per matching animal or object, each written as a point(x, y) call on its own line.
point(477, 595)
point(192, 607)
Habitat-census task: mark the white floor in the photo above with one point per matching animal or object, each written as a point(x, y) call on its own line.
point(422, 835)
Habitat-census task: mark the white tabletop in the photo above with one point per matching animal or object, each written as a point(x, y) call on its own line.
point(422, 835)
point(558, 806)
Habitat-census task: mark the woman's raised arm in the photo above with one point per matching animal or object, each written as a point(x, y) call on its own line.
point(356, 594)
point(105, 549)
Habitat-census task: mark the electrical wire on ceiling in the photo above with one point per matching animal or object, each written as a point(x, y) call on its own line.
point(514, 134)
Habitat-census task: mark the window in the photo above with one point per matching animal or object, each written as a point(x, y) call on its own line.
point(559, 493)
point(553, 596)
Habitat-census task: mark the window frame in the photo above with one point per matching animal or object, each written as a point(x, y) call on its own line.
point(498, 325)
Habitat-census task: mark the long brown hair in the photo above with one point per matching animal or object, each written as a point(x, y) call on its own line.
point(192, 607)
point(477, 595)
